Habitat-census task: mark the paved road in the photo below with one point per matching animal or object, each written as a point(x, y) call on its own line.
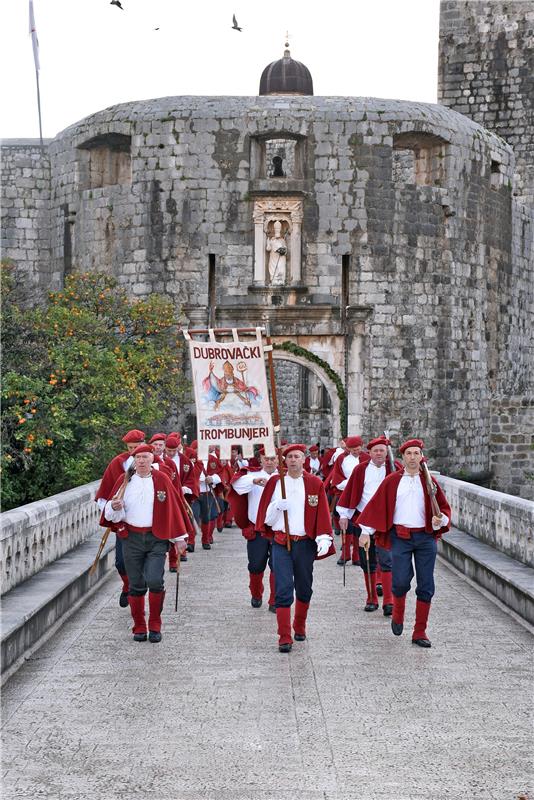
point(216, 713)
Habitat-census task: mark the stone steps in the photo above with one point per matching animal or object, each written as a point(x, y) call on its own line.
point(508, 580)
point(31, 609)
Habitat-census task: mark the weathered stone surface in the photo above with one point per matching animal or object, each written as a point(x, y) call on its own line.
point(486, 64)
point(417, 271)
point(37, 534)
point(503, 521)
point(353, 713)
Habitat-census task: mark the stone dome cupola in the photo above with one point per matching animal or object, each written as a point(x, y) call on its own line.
point(286, 76)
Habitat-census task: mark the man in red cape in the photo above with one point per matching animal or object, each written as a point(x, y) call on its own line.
point(337, 480)
point(401, 514)
point(361, 486)
point(244, 497)
point(147, 518)
point(116, 469)
point(310, 531)
point(312, 463)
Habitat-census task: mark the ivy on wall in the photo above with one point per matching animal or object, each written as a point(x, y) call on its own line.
point(297, 350)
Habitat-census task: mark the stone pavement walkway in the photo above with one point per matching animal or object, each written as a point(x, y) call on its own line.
point(214, 712)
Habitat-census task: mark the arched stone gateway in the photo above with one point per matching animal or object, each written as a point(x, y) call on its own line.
point(308, 399)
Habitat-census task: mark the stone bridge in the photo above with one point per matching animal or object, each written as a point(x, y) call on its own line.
point(215, 712)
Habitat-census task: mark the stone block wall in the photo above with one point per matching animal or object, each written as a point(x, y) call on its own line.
point(25, 212)
point(486, 64)
point(512, 445)
point(411, 271)
point(500, 520)
point(38, 533)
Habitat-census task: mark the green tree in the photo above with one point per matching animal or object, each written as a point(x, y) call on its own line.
point(76, 375)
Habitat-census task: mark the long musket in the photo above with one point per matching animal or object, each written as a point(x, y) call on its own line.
point(391, 457)
point(432, 489)
point(120, 494)
point(269, 350)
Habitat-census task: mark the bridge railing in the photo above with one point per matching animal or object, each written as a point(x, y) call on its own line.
point(501, 520)
point(39, 533)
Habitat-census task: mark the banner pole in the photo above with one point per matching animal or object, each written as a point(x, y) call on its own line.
point(276, 421)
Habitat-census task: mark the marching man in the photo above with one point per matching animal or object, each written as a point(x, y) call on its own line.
point(116, 469)
point(313, 462)
point(361, 486)
point(147, 518)
point(310, 533)
point(244, 498)
point(338, 479)
point(401, 514)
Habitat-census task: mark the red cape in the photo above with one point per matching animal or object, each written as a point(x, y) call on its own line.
point(326, 469)
point(188, 474)
point(316, 517)
point(352, 493)
point(337, 475)
point(379, 511)
point(239, 502)
point(169, 515)
point(112, 473)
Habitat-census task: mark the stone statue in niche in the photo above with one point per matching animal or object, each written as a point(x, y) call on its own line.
point(277, 248)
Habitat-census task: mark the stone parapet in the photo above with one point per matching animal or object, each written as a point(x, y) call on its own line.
point(39, 533)
point(501, 520)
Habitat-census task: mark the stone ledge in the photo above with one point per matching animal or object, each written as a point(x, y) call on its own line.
point(507, 579)
point(31, 609)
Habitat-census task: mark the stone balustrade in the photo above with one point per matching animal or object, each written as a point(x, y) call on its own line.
point(501, 520)
point(39, 533)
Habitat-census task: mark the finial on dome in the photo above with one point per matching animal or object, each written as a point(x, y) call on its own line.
point(287, 54)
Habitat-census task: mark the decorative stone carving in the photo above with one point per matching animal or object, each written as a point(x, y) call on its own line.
point(278, 237)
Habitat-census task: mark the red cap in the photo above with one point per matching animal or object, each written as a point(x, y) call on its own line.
point(353, 441)
point(134, 436)
point(291, 447)
point(378, 440)
point(158, 437)
point(143, 448)
point(411, 443)
point(313, 448)
point(178, 435)
point(190, 452)
point(194, 444)
point(172, 441)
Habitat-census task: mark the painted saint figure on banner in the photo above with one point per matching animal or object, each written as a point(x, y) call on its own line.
point(218, 389)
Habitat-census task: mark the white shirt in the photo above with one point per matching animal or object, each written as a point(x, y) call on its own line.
point(138, 503)
point(409, 505)
point(336, 455)
point(315, 464)
point(349, 463)
point(296, 494)
point(204, 486)
point(245, 485)
point(101, 502)
point(373, 478)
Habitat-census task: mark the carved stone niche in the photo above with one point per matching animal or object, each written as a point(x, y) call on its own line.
point(277, 241)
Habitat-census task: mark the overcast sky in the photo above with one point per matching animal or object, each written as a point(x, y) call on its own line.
point(94, 55)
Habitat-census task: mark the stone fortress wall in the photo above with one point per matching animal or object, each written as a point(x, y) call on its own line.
point(409, 266)
point(486, 71)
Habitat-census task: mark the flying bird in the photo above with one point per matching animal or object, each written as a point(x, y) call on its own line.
point(117, 3)
point(235, 26)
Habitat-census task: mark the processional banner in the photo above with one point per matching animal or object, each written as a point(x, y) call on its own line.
point(231, 394)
